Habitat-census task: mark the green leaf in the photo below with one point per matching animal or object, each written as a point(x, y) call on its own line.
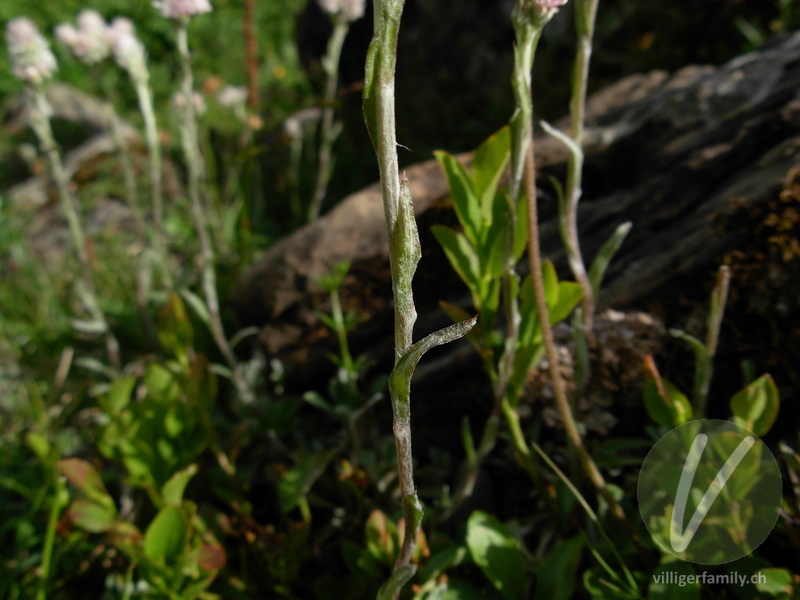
point(92, 516)
point(492, 252)
point(461, 254)
point(550, 282)
point(198, 305)
point(118, 396)
point(779, 583)
point(488, 164)
point(172, 492)
point(497, 553)
point(40, 446)
point(756, 407)
point(395, 583)
point(521, 231)
point(569, 295)
point(556, 573)
point(597, 583)
point(465, 200)
point(335, 279)
point(702, 365)
point(400, 378)
point(165, 538)
point(664, 402)
point(661, 589)
point(86, 479)
point(606, 254)
point(175, 328)
point(297, 482)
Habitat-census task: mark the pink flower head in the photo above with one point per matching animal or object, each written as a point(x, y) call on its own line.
point(182, 9)
point(348, 10)
point(31, 58)
point(89, 42)
point(540, 9)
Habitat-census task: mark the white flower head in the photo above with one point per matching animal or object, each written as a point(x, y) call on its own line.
point(31, 58)
point(129, 52)
point(198, 103)
point(347, 10)
point(89, 42)
point(232, 96)
point(182, 9)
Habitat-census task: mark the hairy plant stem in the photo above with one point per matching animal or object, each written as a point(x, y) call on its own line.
point(404, 255)
point(585, 16)
point(145, 98)
point(559, 392)
point(40, 122)
point(189, 141)
point(132, 198)
point(387, 25)
point(329, 130)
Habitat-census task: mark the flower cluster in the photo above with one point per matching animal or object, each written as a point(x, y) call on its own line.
point(232, 96)
point(89, 41)
point(182, 9)
point(129, 52)
point(31, 58)
point(347, 10)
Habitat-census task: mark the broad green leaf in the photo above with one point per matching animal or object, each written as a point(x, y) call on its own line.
point(395, 583)
point(664, 402)
point(86, 479)
point(569, 296)
point(451, 556)
point(461, 254)
point(779, 583)
point(172, 492)
point(488, 164)
point(118, 396)
point(550, 282)
point(497, 553)
point(756, 407)
point(606, 254)
point(463, 194)
point(161, 384)
point(165, 538)
point(92, 516)
point(492, 248)
point(678, 589)
point(556, 573)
